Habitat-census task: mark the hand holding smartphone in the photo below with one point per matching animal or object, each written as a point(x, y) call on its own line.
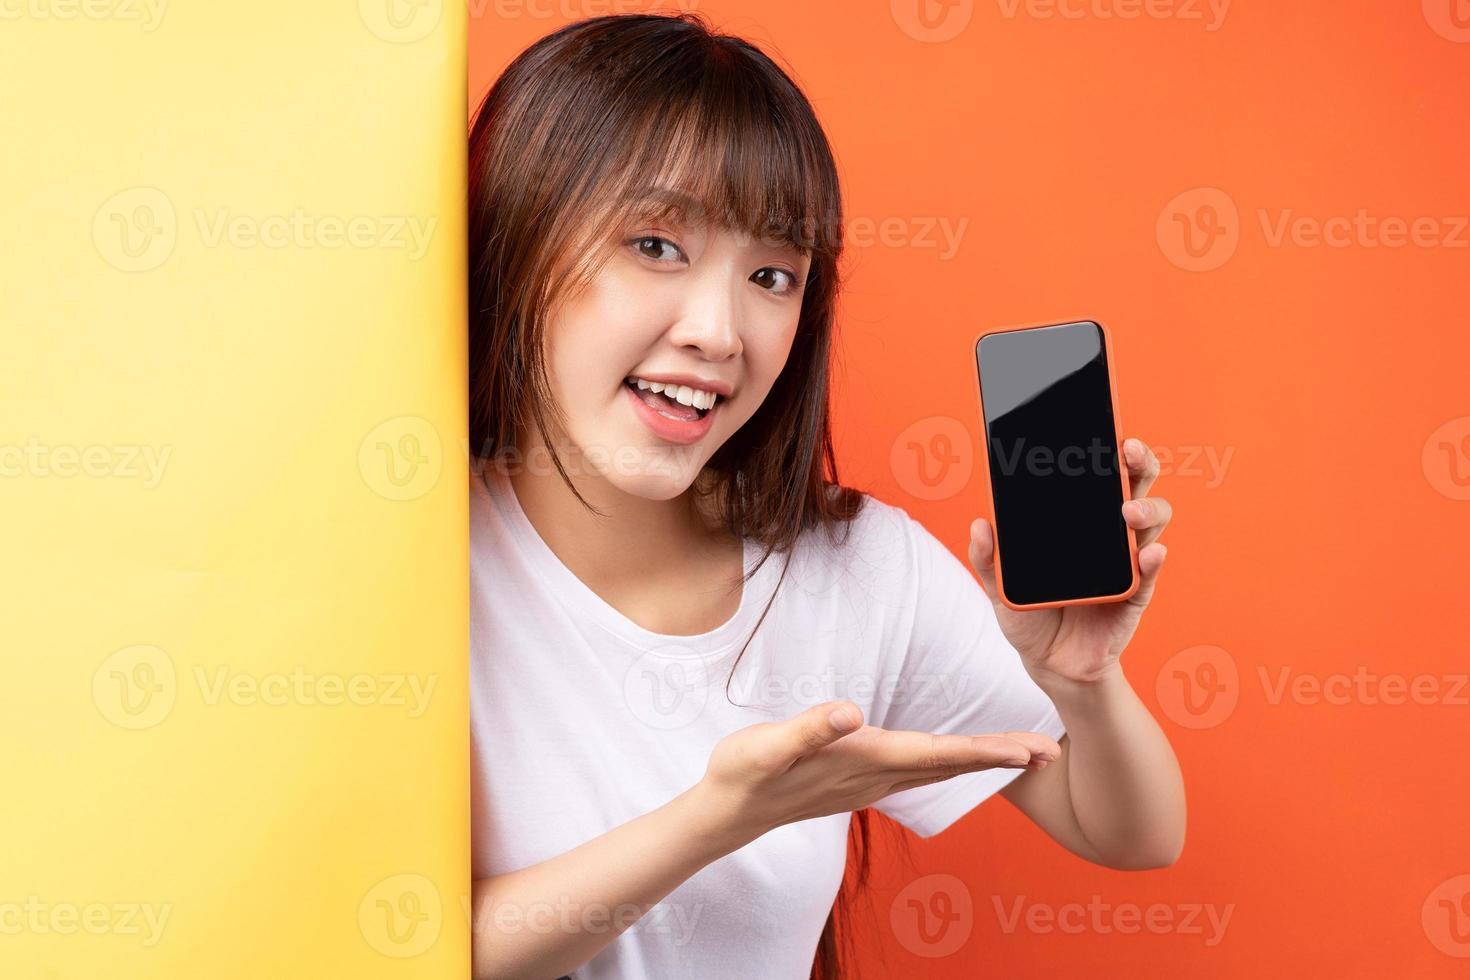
point(1057, 479)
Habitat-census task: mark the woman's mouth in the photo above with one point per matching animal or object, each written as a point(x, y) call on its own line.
point(674, 413)
point(678, 402)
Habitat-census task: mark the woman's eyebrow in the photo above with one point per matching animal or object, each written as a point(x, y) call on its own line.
point(682, 207)
point(667, 202)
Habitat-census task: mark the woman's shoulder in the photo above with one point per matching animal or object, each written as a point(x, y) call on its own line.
point(888, 548)
point(877, 540)
point(878, 520)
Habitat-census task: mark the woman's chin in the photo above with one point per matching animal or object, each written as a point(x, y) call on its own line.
point(656, 481)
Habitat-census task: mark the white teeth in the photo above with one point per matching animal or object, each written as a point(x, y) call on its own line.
point(683, 394)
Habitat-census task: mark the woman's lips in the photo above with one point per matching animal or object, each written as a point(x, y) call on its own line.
point(669, 429)
point(665, 404)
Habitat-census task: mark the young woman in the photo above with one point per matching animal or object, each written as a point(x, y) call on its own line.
point(695, 654)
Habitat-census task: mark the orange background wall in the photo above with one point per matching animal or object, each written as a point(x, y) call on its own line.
point(1310, 392)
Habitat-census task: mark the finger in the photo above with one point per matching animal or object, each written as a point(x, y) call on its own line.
point(819, 725)
point(1150, 561)
point(1148, 516)
point(945, 766)
point(1143, 467)
point(912, 755)
point(901, 785)
point(982, 555)
point(1042, 747)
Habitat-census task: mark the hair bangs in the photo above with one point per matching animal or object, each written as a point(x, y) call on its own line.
point(733, 162)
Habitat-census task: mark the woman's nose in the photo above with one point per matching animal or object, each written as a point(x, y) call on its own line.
point(709, 320)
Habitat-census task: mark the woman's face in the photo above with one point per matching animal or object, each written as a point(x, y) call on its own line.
point(679, 301)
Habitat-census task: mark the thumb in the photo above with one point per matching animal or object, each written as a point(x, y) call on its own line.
point(820, 725)
point(982, 555)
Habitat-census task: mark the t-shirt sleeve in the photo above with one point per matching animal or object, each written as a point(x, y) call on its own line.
point(958, 674)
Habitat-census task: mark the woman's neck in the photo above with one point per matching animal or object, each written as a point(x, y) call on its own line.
point(658, 561)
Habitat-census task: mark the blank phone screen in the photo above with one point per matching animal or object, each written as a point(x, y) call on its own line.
point(1054, 465)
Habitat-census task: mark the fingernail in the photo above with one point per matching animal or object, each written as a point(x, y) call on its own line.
point(1016, 761)
point(841, 720)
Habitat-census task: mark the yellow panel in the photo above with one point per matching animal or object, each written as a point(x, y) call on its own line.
point(232, 490)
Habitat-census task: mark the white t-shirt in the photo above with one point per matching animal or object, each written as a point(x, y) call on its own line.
point(582, 720)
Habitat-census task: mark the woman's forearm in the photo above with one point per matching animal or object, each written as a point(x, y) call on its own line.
point(546, 920)
point(1122, 777)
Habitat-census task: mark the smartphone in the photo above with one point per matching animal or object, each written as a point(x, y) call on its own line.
point(1056, 470)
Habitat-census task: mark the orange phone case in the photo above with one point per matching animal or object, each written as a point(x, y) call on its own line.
point(985, 464)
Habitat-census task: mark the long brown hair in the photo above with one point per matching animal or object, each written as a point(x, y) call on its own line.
point(594, 124)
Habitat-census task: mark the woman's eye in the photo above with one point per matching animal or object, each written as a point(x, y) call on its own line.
point(770, 279)
point(659, 249)
point(654, 244)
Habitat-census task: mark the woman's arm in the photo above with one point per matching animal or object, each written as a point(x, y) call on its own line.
point(1115, 796)
point(546, 920)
